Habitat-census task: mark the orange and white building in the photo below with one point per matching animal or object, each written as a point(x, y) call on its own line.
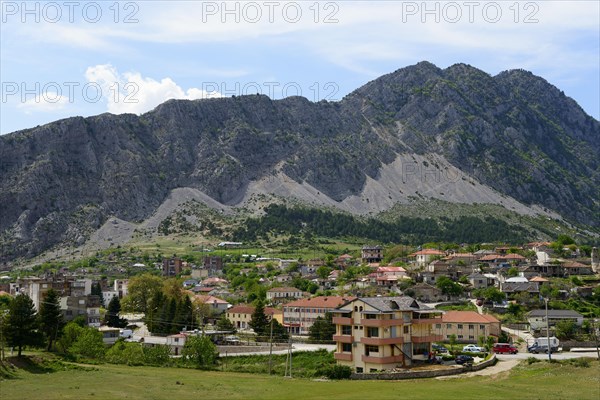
point(423, 257)
point(382, 333)
point(299, 315)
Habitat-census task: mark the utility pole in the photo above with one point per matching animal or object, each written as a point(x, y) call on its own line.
point(549, 348)
point(271, 348)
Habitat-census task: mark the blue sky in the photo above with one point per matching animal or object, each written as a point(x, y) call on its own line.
point(61, 59)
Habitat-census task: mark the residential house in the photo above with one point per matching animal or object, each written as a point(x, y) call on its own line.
point(218, 306)
point(424, 257)
point(383, 333)
point(577, 268)
point(176, 343)
point(279, 295)
point(214, 282)
point(389, 276)
point(299, 315)
point(537, 318)
point(511, 288)
point(241, 315)
point(428, 293)
point(371, 254)
point(468, 326)
point(109, 335)
point(121, 286)
point(477, 280)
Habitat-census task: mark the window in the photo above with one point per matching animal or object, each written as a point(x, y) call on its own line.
point(347, 347)
point(359, 370)
point(482, 327)
point(460, 336)
point(372, 332)
point(371, 349)
point(460, 326)
point(346, 330)
point(471, 326)
point(471, 337)
point(370, 316)
point(406, 329)
point(438, 326)
point(448, 326)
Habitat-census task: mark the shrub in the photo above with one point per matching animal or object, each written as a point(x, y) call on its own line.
point(532, 360)
point(337, 372)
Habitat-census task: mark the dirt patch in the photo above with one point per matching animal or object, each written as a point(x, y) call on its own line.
point(494, 370)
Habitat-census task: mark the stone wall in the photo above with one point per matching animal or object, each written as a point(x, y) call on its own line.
point(411, 374)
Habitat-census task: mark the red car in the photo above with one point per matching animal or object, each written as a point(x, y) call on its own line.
point(505, 348)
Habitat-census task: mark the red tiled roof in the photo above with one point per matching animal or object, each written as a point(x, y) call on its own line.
point(489, 257)
point(321, 302)
point(467, 317)
point(391, 269)
point(209, 299)
point(513, 256)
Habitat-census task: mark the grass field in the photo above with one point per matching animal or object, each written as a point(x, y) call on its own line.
point(537, 381)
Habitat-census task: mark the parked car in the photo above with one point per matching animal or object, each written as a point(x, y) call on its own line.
point(536, 348)
point(500, 348)
point(463, 359)
point(439, 348)
point(471, 348)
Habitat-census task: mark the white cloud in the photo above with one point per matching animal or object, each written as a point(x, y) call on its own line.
point(44, 102)
point(130, 92)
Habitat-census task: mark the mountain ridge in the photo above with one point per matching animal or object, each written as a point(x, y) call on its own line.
point(513, 132)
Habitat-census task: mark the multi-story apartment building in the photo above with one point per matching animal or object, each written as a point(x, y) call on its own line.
point(382, 333)
point(299, 315)
point(371, 254)
point(172, 266)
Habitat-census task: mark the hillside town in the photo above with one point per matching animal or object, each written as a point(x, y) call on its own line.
point(377, 311)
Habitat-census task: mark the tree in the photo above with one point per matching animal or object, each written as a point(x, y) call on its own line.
point(452, 340)
point(224, 324)
point(142, 289)
point(89, 344)
point(259, 321)
point(322, 329)
point(97, 291)
point(184, 314)
point(112, 318)
point(512, 272)
point(279, 331)
point(70, 333)
point(21, 325)
point(323, 272)
point(51, 320)
point(448, 287)
point(494, 294)
point(566, 330)
point(200, 351)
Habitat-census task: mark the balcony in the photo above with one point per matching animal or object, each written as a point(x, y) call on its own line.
point(342, 338)
point(380, 323)
point(342, 321)
point(382, 360)
point(343, 356)
point(427, 339)
point(377, 341)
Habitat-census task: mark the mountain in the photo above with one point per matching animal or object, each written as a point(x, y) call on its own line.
point(456, 134)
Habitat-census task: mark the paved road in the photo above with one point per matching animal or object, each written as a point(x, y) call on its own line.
point(296, 347)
